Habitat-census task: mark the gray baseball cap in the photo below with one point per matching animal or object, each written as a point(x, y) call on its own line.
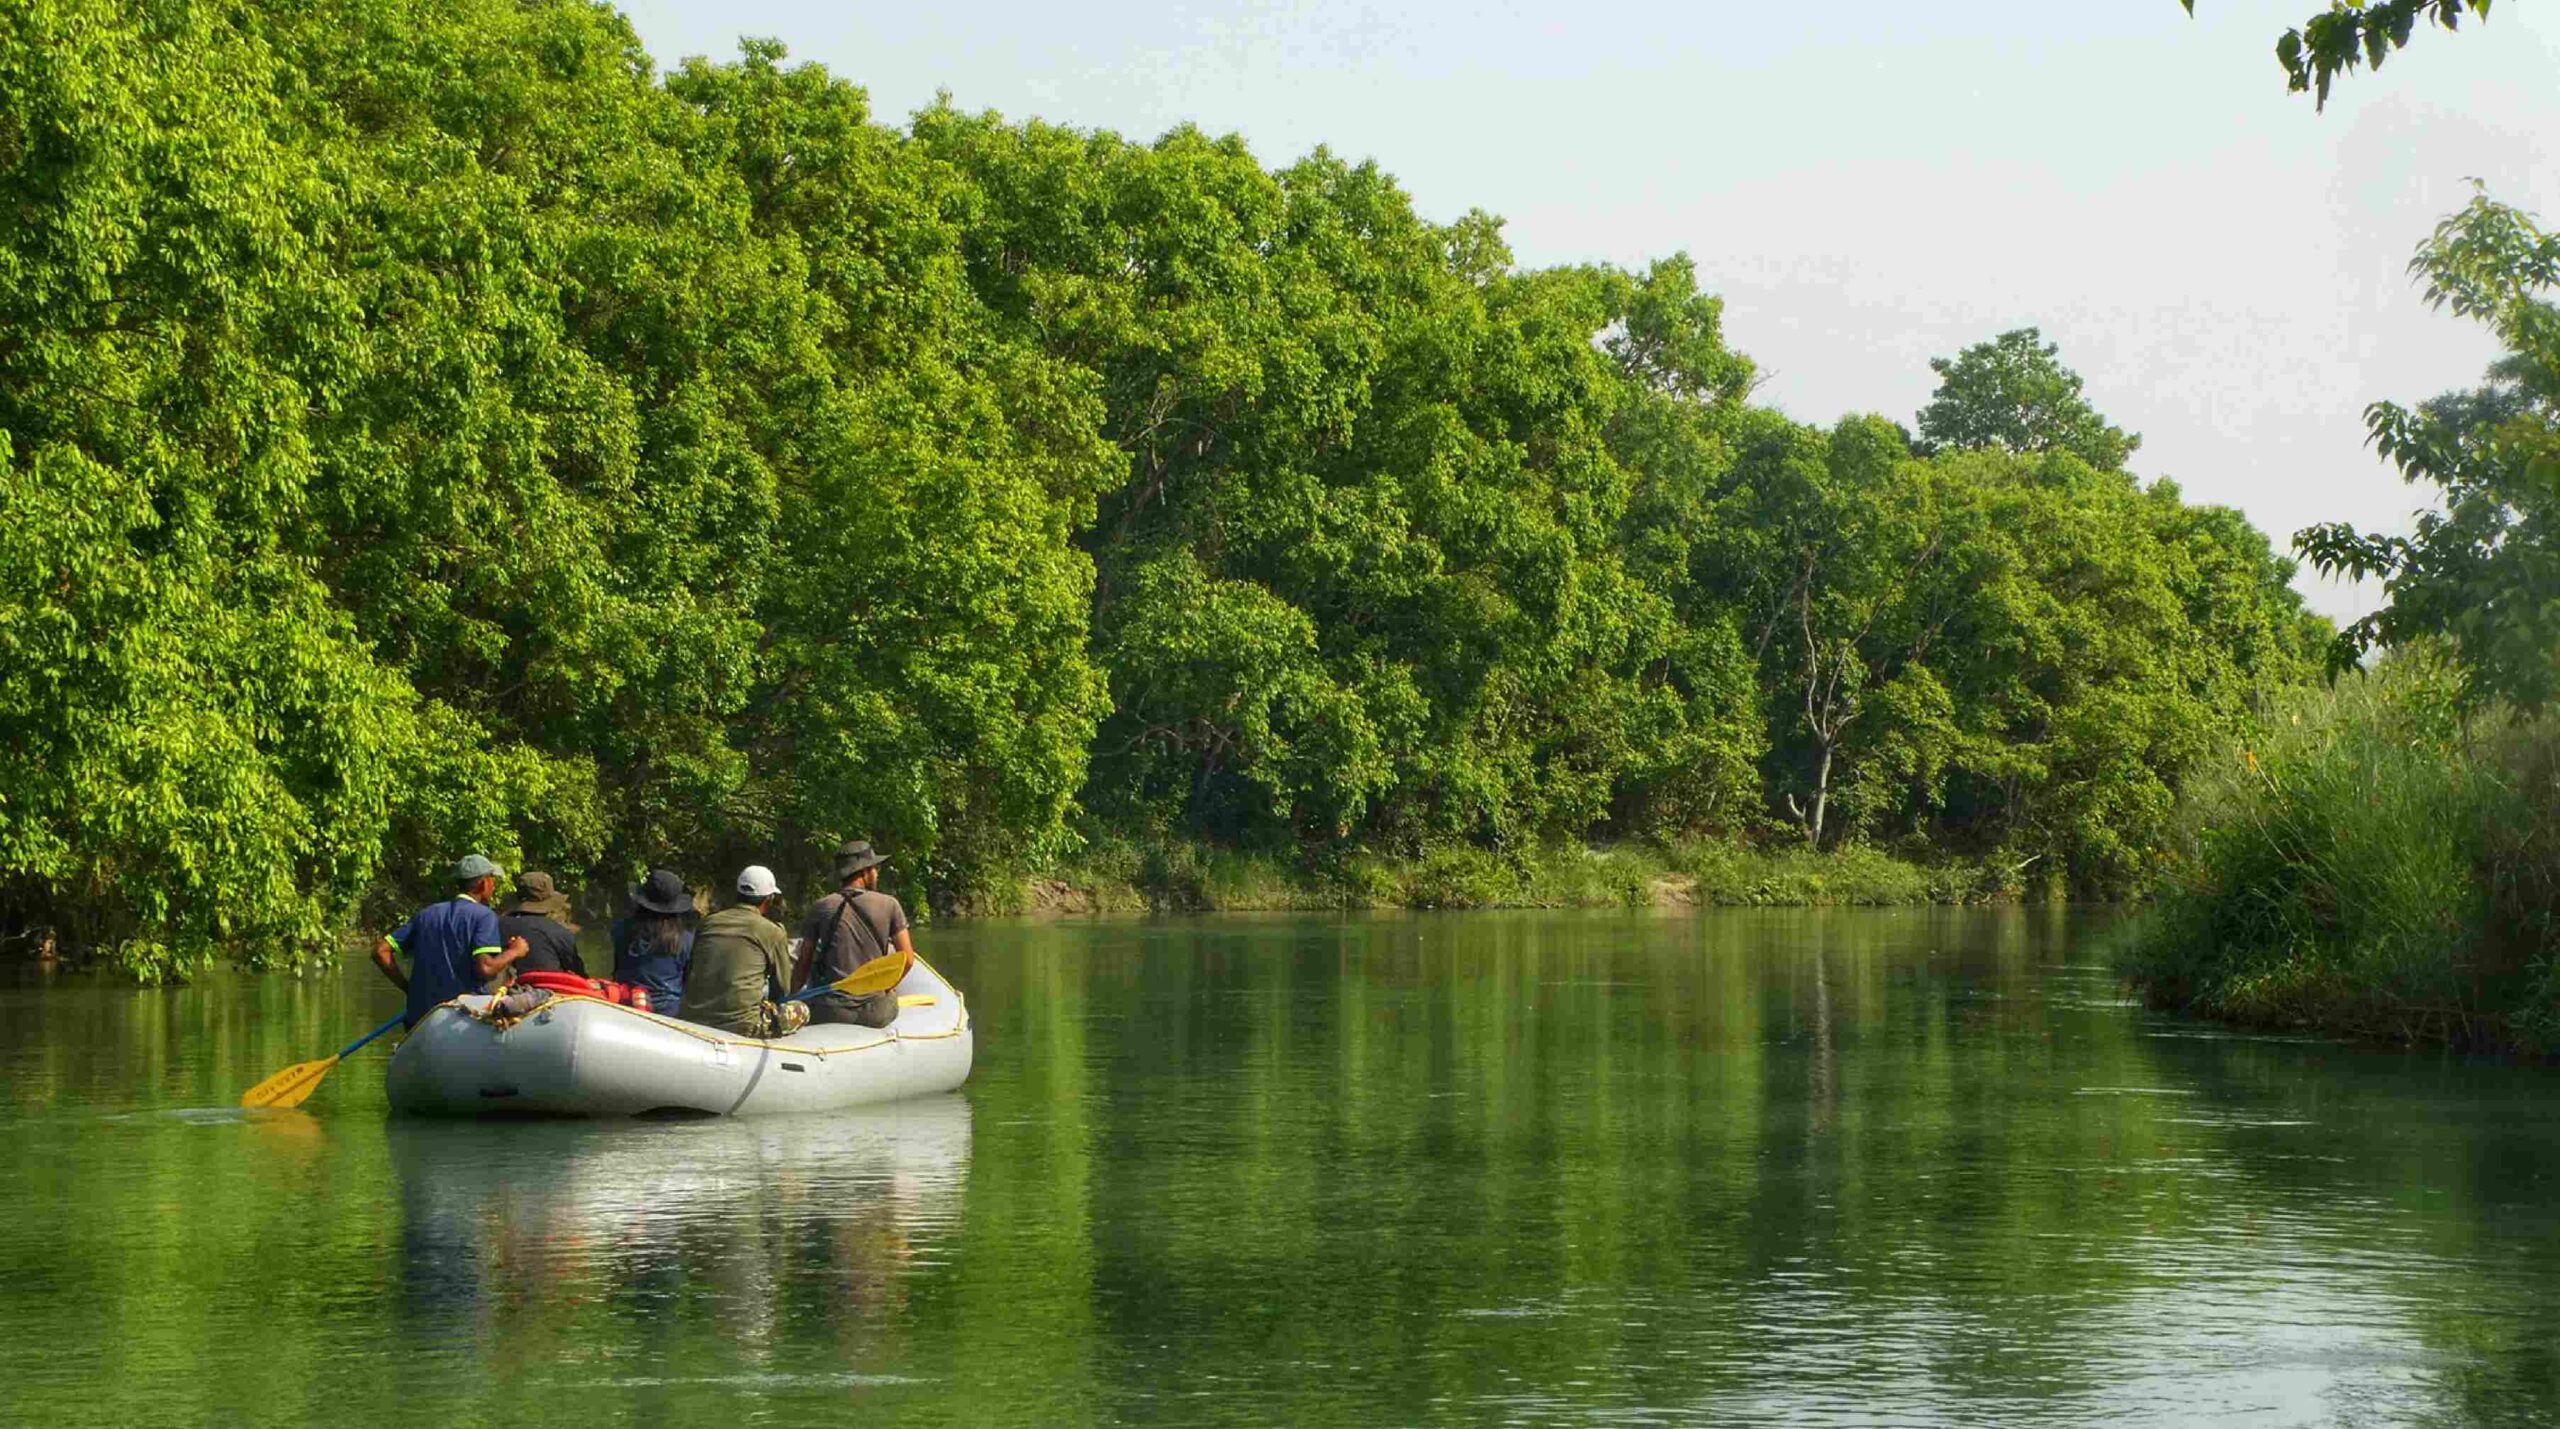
point(472, 868)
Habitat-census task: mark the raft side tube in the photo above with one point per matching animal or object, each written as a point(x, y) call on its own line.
point(582, 1056)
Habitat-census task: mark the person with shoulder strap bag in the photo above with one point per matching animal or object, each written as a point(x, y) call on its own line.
point(847, 928)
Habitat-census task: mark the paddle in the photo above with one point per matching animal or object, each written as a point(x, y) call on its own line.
point(877, 975)
point(295, 1083)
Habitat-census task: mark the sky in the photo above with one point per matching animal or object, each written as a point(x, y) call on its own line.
point(1866, 183)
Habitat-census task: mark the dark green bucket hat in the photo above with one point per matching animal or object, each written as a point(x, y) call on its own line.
point(854, 856)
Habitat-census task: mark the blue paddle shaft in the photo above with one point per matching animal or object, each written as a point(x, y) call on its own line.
point(396, 1019)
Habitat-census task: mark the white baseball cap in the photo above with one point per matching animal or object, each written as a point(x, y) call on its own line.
point(756, 881)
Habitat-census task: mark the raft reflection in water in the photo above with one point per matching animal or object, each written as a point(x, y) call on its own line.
point(522, 1242)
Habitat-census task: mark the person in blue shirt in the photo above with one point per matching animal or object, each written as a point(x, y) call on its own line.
point(453, 947)
point(652, 947)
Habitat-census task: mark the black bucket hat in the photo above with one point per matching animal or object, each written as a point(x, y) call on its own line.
point(663, 891)
point(854, 857)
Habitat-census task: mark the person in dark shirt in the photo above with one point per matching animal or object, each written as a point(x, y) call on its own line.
point(846, 929)
point(453, 947)
point(652, 947)
point(741, 960)
point(539, 914)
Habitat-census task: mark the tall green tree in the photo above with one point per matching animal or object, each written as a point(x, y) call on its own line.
point(199, 747)
point(1363, 573)
point(2013, 393)
point(2482, 573)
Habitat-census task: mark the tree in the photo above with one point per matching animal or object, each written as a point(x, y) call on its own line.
point(1822, 536)
point(424, 427)
point(2481, 575)
point(2353, 32)
point(2011, 393)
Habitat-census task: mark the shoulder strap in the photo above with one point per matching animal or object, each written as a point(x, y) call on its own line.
point(847, 914)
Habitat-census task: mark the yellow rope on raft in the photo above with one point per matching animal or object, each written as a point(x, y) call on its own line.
point(701, 1033)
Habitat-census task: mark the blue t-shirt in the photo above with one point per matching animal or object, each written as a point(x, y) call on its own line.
point(440, 941)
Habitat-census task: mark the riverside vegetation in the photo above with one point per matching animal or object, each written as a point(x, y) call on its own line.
point(2386, 860)
point(427, 427)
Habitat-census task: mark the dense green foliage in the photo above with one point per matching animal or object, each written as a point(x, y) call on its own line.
point(424, 427)
point(2014, 393)
point(2357, 32)
point(2381, 864)
point(1119, 874)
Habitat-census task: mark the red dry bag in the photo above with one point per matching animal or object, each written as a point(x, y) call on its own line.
point(572, 985)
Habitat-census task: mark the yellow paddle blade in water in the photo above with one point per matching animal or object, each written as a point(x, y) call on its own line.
point(289, 1087)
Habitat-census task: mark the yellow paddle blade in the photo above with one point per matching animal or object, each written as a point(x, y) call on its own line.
point(289, 1087)
point(877, 975)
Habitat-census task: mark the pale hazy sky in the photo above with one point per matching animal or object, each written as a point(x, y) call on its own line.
point(1868, 183)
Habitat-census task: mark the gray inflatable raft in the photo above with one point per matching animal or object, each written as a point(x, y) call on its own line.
point(581, 1056)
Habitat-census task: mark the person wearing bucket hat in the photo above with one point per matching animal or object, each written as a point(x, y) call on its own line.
point(846, 929)
point(539, 914)
point(651, 944)
point(742, 963)
point(453, 947)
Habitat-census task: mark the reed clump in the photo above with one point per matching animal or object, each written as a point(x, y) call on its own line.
point(2378, 861)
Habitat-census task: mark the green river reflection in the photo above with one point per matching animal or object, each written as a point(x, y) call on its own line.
point(1801, 1167)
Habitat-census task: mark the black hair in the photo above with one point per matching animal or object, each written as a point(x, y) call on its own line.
point(663, 931)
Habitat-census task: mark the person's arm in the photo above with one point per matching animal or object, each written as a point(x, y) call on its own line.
point(386, 957)
point(809, 931)
point(488, 965)
point(492, 951)
point(777, 966)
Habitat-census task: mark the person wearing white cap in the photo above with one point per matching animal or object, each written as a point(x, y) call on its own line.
point(741, 957)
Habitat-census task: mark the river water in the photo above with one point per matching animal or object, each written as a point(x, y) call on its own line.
point(1924, 1167)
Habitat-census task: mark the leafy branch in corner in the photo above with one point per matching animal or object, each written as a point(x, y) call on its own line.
point(2348, 34)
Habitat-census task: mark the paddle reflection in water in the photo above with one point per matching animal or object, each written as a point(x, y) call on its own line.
point(594, 1253)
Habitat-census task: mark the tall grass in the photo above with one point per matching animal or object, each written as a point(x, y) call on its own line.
point(2375, 863)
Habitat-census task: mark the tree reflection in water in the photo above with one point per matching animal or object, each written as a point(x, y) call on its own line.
point(1742, 1167)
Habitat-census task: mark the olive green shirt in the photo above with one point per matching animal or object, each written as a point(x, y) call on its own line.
point(741, 960)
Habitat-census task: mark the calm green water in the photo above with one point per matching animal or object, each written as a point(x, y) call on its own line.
point(1870, 1167)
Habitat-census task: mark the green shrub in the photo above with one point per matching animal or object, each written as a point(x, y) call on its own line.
point(2376, 863)
point(1572, 876)
point(1461, 876)
point(1795, 876)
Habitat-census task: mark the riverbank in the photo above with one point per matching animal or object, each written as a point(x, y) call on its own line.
point(2381, 865)
point(1119, 875)
point(1129, 876)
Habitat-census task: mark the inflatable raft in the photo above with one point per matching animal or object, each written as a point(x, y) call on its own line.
point(582, 1056)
